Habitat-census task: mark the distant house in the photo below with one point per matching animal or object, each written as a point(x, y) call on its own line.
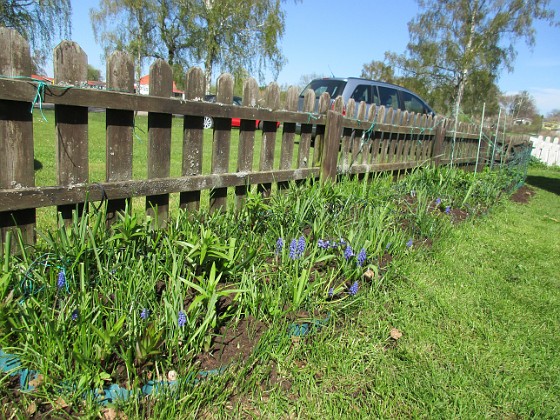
point(144, 87)
point(44, 79)
point(522, 121)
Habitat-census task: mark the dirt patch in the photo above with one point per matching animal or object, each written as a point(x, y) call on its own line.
point(233, 343)
point(523, 195)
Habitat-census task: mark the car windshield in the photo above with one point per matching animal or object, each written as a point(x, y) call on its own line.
point(333, 87)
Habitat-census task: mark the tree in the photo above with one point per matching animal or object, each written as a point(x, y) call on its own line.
point(41, 22)
point(523, 106)
point(93, 73)
point(454, 42)
point(378, 70)
point(233, 35)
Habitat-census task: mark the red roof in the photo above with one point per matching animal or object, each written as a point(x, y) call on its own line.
point(145, 80)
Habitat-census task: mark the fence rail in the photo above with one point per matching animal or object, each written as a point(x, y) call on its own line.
point(338, 139)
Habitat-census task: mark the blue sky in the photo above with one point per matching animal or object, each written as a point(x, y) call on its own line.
point(335, 37)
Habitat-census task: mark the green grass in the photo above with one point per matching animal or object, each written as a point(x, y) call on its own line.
point(479, 317)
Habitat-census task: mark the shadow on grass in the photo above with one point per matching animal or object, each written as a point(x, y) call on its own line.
point(549, 184)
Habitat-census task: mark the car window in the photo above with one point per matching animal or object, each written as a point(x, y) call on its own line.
point(320, 86)
point(412, 103)
point(361, 93)
point(388, 97)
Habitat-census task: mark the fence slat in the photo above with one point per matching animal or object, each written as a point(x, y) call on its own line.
point(306, 130)
point(288, 134)
point(246, 140)
point(193, 135)
point(269, 136)
point(159, 140)
point(119, 129)
point(16, 139)
point(70, 69)
point(221, 142)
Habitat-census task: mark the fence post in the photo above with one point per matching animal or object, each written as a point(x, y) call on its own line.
point(16, 139)
point(119, 129)
point(333, 132)
point(159, 140)
point(193, 134)
point(70, 69)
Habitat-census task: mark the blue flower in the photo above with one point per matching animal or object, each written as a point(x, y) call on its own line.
point(348, 252)
point(145, 313)
point(331, 292)
point(301, 245)
point(448, 210)
point(353, 290)
point(323, 244)
point(388, 246)
point(409, 243)
point(293, 249)
point(438, 201)
point(61, 279)
point(279, 245)
point(361, 258)
point(182, 320)
point(75, 315)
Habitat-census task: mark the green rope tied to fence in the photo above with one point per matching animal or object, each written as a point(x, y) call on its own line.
point(39, 95)
point(310, 116)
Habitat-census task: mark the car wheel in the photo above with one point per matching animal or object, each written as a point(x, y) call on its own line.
point(208, 122)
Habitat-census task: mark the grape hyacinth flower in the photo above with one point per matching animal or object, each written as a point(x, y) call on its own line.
point(331, 292)
point(301, 245)
point(75, 314)
point(438, 201)
point(353, 290)
point(348, 252)
point(448, 210)
point(61, 279)
point(321, 243)
point(293, 249)
point(409, 243)
point(279, 246)
point(145, 313)
point(361, 258)
point(182, 319)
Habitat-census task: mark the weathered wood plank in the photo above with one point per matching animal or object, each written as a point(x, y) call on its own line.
point(119, 129)
point(269, 136)
point(159, 140)
point(24, 198)
point(246, 140)
point(330, 146)
point(288, 134)
point(221, 142)
point(306, 130)
point(193, 135)
point(324, 105)
point(16, 140)
point(70, 69)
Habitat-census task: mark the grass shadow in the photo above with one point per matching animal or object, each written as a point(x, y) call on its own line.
point(548, 184)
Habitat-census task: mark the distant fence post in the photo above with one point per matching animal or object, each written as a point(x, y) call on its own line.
point(331, 144)
point(437, 151)
point(159, 140)
point(16, 139)
point(119, 130)
point(70, 69)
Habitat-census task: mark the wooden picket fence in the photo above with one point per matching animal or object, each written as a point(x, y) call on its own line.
point(347, 140)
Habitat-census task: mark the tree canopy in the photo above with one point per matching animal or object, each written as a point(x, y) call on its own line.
point(41, 22)
point(458, 49)
point(231, 35)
